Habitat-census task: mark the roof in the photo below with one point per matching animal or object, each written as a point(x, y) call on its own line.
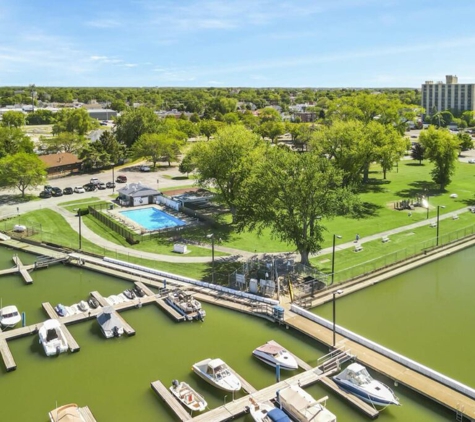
point(214, 363)
point(355, 367)
point(270, 348)
point(59, 159)
point(137, 190)
point(108, 319)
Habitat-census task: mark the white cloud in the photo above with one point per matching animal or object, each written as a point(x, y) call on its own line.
point(104, 23)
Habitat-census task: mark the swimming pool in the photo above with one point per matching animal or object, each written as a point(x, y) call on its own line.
point(152, 218)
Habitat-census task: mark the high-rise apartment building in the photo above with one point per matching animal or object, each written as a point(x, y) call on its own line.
point(449, 96)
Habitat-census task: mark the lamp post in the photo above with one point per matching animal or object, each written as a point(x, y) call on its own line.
point(211, 236)
point(335, 236)
point(338, 292)
point(438, 212)
point(113, 178)
point(80, 237)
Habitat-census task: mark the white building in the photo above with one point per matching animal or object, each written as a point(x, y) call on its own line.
point(448, 96)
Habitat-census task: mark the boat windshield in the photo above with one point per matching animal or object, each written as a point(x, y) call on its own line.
point(11, 314)
point(361, 377)
point(221, 372)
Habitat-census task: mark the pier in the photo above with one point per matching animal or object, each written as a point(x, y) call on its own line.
point(20, 268)
point(171, 400)
point(127, 328)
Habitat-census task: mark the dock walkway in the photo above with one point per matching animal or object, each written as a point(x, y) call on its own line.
point(170, 399)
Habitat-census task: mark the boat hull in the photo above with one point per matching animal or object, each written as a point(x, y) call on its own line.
point(270, 360)
point(364, 395)
point(230, 383)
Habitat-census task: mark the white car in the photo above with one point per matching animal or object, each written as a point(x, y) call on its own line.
point(79, 189)
point(471, 161)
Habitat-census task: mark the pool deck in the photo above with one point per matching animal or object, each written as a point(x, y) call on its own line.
point(147, 225)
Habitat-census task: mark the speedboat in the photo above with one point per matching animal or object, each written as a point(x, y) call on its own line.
point(66, 413)
point(9, 316)
point(52, 338)
point(301, 406)
point(138, 291)
point(266, 412)
point(93, 303)
point(188, 397)
point(273, 355)
point(61, 310)
point(186, 305)
point(129, 294)
point(356, 380)
point(83, 306)
point(111, 326)
point(217, 373)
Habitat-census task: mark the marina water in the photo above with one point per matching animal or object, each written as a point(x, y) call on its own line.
point(113, 376)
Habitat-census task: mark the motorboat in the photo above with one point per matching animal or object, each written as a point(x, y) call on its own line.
point(138, 291)
point(83, 306)
point(93, 303)
point(111, 326)
point(67, 413)
point(114, 299)
point(188, 397)
point(356, 380)
point(186, 305)
point(301, 406)
point(266, 412)
point(217, 373)
point(274, 355)
point(9, 316)
point(61, 310)
point(52, 338)
point(129, 294)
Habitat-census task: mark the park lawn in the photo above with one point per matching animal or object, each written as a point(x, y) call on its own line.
point(80, 201)
point(377, 254)
point(161, 246)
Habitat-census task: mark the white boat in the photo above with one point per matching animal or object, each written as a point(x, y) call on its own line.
point(52, 338)
point(356, 380)
point(111, 326)
point(266, 412)
point(273, 354)
point(301, 406)
point(188, 397)
point(186, 305)
point(66, 413)
point(217, 373)
point(83, 306)
point(9, 316)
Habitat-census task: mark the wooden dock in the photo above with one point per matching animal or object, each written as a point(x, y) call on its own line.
point(7, 356)
point(103, 302)
point(393, 370)
point(169, 399)
point(23, 269)
point(169, 310)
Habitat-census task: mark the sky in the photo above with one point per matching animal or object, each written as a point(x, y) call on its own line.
point(236, 43)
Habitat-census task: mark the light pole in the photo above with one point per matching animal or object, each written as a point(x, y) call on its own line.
point(438, 212)
point(113, 178)
point(211, 236)
point(78, 210)
point(338, 292)
point(335, 236)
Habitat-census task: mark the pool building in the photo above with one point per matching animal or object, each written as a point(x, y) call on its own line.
point(136, 194)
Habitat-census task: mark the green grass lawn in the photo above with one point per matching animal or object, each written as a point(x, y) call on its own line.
point(80, 201)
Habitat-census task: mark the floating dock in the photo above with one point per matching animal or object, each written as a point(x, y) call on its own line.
point(170, 399)
point(19, 268)
point(7, 356)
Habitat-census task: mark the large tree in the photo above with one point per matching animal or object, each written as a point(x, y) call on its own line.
point(13, 119)
point(225, 162)
point(441, 148)
point(290, 193)
point(418, 152)
point(74, 120)
point(135, 122)
point(14, 140)
point(63, 142)
point(157, 147)
point(22, 171)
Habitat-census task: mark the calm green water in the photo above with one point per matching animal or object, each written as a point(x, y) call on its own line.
point(113, 376)
point(426, 314)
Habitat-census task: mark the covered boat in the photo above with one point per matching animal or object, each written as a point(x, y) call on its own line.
point(186, 305)
point(273, 354)
point(52, 338)
point(66, 413)
point(61, 310)
point(111, 326)
point(188, 397)
point(217, 373)
point(9, 316)
point(266, 412)
point(356, 380)
point(302, 407)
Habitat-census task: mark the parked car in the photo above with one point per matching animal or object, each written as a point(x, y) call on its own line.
point(95, 181)
point(144, 168)
point(110, 185)
point(68, 191)
point(56, 191)
point(79, 189)
point(101, 186)
point(121, 179)
point(90, 187)
point(48, 188)
point(471, 161)
point(45, 194)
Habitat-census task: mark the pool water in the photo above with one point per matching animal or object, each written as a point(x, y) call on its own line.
point(152, 218)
